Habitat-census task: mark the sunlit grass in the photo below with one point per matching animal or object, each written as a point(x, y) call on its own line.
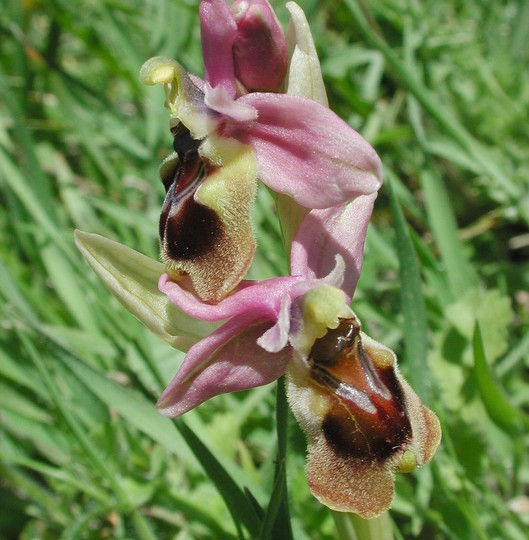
point(440, 89)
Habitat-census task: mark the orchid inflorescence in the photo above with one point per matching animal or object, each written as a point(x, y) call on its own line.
point(261, 113)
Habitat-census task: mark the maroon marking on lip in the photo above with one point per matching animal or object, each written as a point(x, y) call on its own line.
point(367, 417)
point(188, 229)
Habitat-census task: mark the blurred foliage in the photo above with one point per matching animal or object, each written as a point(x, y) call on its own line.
point(441, 89)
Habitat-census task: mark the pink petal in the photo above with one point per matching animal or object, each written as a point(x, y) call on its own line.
point(276, 338)
point(222, 102)
point(263, 299)
point(306, 151)
point(228, 360)
point(325, 233)
point(218, 31)
point(198, 82)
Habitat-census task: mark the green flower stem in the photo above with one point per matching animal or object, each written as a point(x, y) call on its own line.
point(353, 527)
point(140, 522)
point(276, 522)
point(435, 109)
point(282, 527)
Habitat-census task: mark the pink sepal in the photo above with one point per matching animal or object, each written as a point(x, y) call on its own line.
point(261, 298)
point(306, 151)
point(218, 31)
point(228, 360)
point(325, 233)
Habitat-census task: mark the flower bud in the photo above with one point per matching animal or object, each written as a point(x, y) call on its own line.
point(260, 49)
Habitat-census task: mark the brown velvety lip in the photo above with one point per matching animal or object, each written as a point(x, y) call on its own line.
point(367, 417)
point(188, 229)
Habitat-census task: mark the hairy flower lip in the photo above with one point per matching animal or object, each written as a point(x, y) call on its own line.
point(360, 433)
point(365, 393)
point(205, 229)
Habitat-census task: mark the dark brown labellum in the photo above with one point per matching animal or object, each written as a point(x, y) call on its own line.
point(368, 417)
point(188, 229)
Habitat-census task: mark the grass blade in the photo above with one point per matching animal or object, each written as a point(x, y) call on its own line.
point(141, 525)
point(238, 503)
point(460, 274)
point(435, 109)
point(412, 300)
point(173, 435)
point(501, 412)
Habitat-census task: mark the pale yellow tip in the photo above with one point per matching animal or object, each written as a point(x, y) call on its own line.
point(408, 462)
point(158, 70)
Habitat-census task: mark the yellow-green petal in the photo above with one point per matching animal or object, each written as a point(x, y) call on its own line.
point(183, 98)
point(133, 280)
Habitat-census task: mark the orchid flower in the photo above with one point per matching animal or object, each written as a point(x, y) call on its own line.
point(363, 421)
point(226, 138)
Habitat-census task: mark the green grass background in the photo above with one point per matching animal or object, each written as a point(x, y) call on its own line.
point(441, 90)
